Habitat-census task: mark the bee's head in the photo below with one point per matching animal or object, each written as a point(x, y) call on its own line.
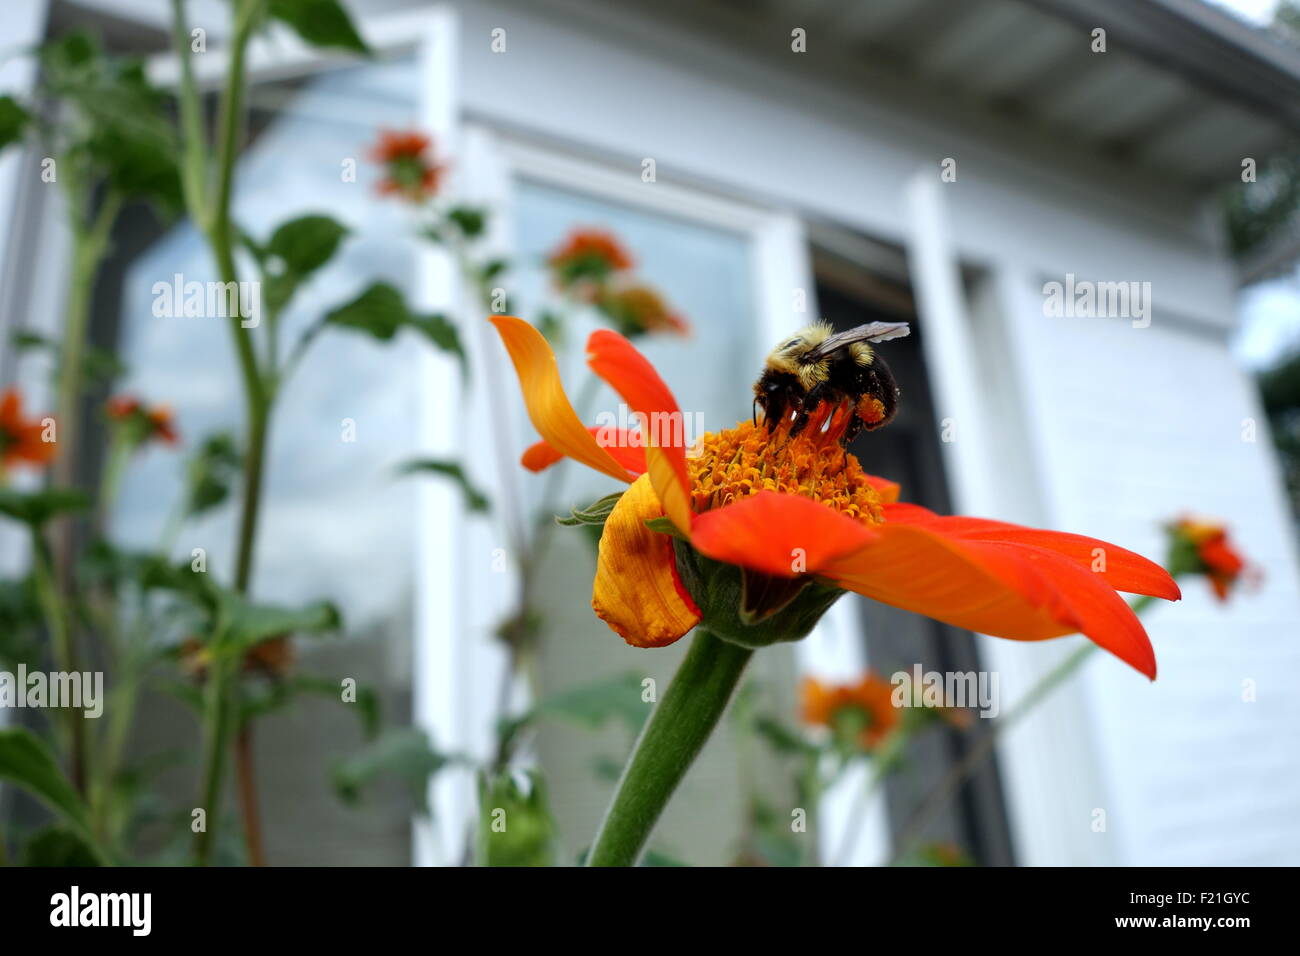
point(796, 354)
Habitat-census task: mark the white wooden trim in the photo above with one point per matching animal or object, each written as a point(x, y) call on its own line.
point(437, 698)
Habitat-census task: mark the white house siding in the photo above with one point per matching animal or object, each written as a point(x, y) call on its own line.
point(1121, 426)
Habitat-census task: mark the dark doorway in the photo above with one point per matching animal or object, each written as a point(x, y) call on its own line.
point(908, 451)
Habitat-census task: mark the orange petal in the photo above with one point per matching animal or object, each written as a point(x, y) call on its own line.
point(783, 535)
point(630, 373)
point(1002, 589)
point(622, 444)
point(1122, 569)
point(548, 406)
point(637, 590)
point(888, 490)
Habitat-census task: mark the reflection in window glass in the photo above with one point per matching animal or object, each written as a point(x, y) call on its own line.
point(335, 522)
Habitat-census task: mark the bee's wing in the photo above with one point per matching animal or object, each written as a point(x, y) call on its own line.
point(871, 332)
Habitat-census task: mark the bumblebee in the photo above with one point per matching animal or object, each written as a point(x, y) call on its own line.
point(819, 367)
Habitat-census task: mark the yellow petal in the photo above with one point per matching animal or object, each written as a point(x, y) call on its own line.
point(548, 406)
point(637, 591)
point(672, 494)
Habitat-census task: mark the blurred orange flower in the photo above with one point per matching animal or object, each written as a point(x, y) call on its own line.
point(154, 422)
point(637, 309)
point(410, 172)
point(1212, 554)
point(21, 441)
point(588, 255)
point(867, 705)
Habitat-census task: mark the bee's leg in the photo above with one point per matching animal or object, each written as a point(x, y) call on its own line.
point(811, 403)
point(774, 408)
point(884, 389)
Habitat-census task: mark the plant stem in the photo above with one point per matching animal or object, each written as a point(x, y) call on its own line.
point(216, 723)
point(884, 760)
point(248, 794)
point(670, 742)
point(216, 221)
point(952, 782)
point(90, 244)
point(194, 140)
point(56, 619)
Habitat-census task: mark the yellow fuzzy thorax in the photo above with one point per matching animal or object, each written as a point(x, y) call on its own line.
point(745, 460)
point(791, 356)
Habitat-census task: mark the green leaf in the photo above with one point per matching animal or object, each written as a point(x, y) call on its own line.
point(211, 473)
point(378, 311)
point(781, 738)
point(439, 330)
point(257, 700)
point(469, 220)
point(250, 624)
point(306, 243)
point(98, 364)
point(595, 704)
point(529, 835)
point(27, 762)
point(596, 513)
point(404, 752)
point(114, 127)
point(36, 507)
point(20, 619)
point(320, 23)
point(475, 500)
point(13, 121)
point(57, 846)
point(551, 325)
point(381, 311)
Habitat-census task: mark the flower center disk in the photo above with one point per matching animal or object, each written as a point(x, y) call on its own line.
point(747, 459)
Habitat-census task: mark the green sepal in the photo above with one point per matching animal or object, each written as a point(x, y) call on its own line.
point(749, 609)
point(596, 513)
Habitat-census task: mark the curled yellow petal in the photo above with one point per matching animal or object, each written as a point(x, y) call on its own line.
point(637, 591)
point(672, 494)
point(548, 407)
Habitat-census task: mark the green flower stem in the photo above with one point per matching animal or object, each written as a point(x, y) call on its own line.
point(884, 761)
point(216, 222)
point(56, 620)
point(670, 742)
point(217, 726)
point(951, 784)
point(90, 234)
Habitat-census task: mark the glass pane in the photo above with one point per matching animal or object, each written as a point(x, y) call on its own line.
point(335, 522)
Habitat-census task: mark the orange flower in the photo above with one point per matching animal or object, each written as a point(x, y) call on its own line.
point(865, 708)
point(587, 256)
point(637, 309)
point(799, 516)
point(1203, 547)
point(21, 441)
point(411, 173)
point(153, 422)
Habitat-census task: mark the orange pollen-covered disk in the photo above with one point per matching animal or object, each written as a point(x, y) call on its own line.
point(745, 460)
